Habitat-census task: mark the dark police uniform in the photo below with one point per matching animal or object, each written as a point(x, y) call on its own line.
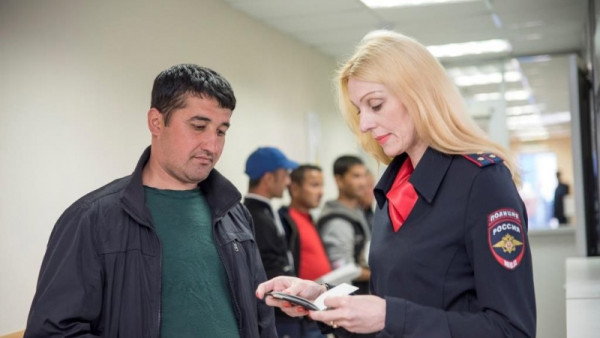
point(460, 265)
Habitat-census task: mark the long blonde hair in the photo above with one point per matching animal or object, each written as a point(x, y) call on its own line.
point(432, 100)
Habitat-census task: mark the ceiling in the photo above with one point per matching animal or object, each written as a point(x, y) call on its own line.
point(532, 27)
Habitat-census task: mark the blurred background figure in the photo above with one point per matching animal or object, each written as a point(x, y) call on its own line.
point(562, 189)
point(269, 172)
point(342, 224)
point(306, 191)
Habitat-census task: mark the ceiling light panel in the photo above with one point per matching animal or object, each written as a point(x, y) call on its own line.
point(484, 79)
point(525, 110)
point(470, 48)
point(511, 95)
point(408, 3)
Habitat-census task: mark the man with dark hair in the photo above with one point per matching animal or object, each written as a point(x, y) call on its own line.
point(268, 170)
point(310, 258)
point(306, 191)
point(167, 251)
point(342, 224)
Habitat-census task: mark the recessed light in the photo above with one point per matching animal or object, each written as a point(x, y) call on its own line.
point(407, 3)
point(489, 78)
point(511, 95)
point(470, 48)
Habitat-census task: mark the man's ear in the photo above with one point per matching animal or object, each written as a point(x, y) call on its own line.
point(339, 180)
point(293, 189)
point(269, 177)
point(155, 121)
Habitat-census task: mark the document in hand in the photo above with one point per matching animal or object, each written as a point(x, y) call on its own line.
point(318, 304)
point(344, 274)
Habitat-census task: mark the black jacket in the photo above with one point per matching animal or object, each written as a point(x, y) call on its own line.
point(271, 244)
point(101, 275)
point(291, 235)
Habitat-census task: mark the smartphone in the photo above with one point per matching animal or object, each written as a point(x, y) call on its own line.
point(305, 303)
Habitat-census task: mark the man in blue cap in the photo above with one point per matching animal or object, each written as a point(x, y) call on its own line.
point(269, 172)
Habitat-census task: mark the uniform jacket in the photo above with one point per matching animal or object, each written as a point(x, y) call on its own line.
point(101, 275)
point(460, 265)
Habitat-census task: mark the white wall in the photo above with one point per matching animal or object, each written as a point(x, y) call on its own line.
point(75, 81)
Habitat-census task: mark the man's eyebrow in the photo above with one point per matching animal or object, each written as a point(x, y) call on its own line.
point(206, 119)
point(200, 118)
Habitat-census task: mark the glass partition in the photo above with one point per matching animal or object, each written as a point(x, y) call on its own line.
point(524, 104)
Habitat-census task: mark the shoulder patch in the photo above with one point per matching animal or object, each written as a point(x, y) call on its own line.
point(483, 159)
point(505, 237)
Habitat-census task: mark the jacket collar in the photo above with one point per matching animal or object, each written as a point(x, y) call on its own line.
point(219, 192)
point(259, 198)
point(426, 179)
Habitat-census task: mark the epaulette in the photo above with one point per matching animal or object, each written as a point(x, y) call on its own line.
point(483, 159)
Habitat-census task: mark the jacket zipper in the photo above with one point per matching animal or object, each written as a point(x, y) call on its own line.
point(233, 296)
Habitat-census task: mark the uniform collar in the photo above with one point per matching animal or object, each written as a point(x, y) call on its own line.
point(426, 179)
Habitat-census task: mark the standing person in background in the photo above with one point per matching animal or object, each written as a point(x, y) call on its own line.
point(561, 191)
point(269, 172)
point(449, 255)
point(168, 250)
point(306, 191)
point(342, 224)
point(367, 200)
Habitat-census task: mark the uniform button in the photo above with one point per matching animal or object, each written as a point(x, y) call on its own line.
point(480, 158)
point(493, 156)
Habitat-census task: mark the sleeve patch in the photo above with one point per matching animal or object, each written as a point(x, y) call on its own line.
point(483, 159)
point(506, 238)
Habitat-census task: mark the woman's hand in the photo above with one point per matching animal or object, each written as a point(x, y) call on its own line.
point(293, 286)
point(359, 314)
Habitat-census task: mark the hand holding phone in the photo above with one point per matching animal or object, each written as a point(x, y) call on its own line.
point(319, 303)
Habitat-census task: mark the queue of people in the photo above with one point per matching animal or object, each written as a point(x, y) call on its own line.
point(173, 251)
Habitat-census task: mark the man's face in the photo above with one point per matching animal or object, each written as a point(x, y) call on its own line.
point(309, 194)
point(353, 183)
point(278, 182)
point(188, 148)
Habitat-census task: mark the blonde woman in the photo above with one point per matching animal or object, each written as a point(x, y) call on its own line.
point(449, 253)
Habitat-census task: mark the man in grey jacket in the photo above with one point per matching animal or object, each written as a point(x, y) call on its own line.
point(167, 251)
point(342, 224)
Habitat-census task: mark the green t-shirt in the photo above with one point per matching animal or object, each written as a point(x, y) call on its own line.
point(196, 300)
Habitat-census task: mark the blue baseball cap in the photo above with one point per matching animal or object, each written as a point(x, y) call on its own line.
point(265, 159)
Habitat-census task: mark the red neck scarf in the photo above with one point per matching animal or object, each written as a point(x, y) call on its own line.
point(402, 196)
